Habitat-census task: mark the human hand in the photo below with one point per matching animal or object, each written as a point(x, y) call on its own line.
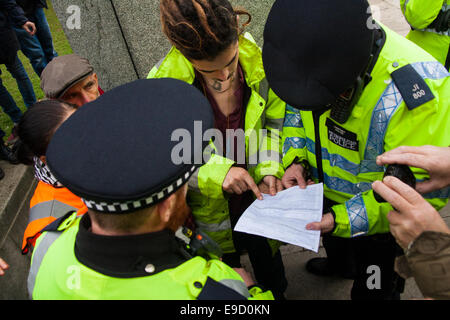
point(270, 185)
point(29, 27)
point(435, 160)
point(3, 266)
point(325, 225)
point(246, 276)
point(238, 181)
point(295, 175)
point(414, 214)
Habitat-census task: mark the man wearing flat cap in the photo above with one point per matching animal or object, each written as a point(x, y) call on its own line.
point(125, 247)
point(354, 89)
point(72, 79)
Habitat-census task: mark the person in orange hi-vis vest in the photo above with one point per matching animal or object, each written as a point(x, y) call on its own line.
point(47, 204)
point(51, 200)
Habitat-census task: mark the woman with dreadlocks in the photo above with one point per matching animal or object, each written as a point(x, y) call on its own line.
point(211, 52)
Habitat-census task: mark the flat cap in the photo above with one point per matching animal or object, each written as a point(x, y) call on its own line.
point(117, 152)
point(62, 73)
point(314, 50)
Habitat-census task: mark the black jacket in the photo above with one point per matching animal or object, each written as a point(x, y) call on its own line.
point(10, 14)
point(30, 6)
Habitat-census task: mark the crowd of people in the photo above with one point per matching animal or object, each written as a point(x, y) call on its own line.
point(333, 105)
point(23, 26)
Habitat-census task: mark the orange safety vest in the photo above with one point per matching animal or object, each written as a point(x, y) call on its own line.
point(48, 204)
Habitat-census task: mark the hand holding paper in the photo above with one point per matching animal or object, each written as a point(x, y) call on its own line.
point(324, 226)
point(284, 217)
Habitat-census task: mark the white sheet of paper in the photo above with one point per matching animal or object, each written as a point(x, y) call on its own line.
point(284, 217)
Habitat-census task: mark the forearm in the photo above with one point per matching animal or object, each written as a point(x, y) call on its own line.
point(364, 215)
point(428, 261)
point(294, 138)
point(361, 215)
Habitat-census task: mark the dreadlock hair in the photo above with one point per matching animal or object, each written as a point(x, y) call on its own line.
point(201, 29)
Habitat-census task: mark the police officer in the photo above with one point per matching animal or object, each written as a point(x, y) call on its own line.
point(355, 89)
point(430, 23)
point(125, 247)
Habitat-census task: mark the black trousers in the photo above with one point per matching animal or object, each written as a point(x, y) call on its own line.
point(371, 261)
point(267, 267)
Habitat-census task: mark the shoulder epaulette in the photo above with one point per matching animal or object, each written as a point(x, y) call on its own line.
point(412, 86)
point(61, 223)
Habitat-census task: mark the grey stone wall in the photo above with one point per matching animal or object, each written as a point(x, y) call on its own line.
point(123, 38)
point(99, 39)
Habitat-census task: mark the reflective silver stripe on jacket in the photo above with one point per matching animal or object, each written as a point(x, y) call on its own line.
point(193, 182)
point(263, 153)
point(53, 208)
point(385, 109)
point(264, 89)
point(160, 62)
point(214, 227)
point(357, 214)
point(236, 285)
point(264, 93)
point(47, 240)
point(293, 118)
point(275, 123)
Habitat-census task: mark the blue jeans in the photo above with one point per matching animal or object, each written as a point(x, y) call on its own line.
point(38, 48)
point(9, 106)
point(7, 102)
point(23, 82)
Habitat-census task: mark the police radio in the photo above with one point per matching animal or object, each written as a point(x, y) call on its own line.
point(342, 107)
point(400, 171)
point(198, 243)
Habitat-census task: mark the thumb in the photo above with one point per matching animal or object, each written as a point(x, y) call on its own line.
point(314, 226)
point(324, 226)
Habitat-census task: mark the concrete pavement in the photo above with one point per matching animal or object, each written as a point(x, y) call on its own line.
point(15, 191)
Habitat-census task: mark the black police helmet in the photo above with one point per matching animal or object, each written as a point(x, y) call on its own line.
point(117, 152)
point(315, 50)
